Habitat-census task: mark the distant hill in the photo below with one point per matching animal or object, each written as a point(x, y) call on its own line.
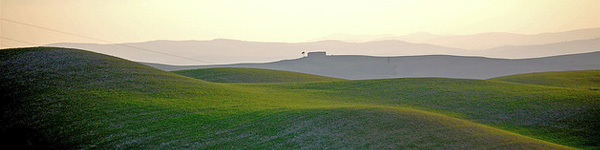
point(367, 67)
point(480, 41)
point(544, 50)
point(56, 98)
point(223, 51)
point(574, 79)
point(357, 38)
point(493, 40)
point(250, 75)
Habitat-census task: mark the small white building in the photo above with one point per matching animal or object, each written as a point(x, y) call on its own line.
point(316, 54)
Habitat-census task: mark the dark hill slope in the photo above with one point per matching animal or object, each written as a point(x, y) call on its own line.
point(250, 75)
point(574, 79)
point(72, 99)
point(77, 99)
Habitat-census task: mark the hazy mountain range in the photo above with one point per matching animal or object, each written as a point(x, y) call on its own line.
point(476, 41)
point(224, 51)
point(543, 50)
point(368, 67)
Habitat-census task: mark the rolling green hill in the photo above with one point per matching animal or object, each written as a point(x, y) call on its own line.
point(561, 115)
point(574, 79)
point(73, 99)
point(250, 75)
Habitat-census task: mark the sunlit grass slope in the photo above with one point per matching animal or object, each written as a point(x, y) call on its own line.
point(251, 75)
point(562, 115)
point(72, 99)
point(574, 79)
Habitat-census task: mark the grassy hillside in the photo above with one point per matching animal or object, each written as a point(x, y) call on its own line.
point(561, 115)
point(72, 99)
point(574, 79)
point(250, 75)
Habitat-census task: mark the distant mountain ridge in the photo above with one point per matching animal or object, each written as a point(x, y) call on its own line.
point(480, 41)
point(494, 40)
point(542, 50)
point(355, 67)
point(356, 38)
point(223, 51)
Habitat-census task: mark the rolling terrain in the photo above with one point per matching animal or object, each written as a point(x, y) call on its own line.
point(367, 67)
point(572, 79)
point(72, 99)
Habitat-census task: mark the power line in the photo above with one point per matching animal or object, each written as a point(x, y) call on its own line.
point(1, 37)
point(96, 39)
point(31, 25)
point(14, 40)
point(9, 46)
point(4, 45)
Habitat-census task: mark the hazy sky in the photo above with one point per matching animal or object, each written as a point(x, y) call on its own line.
point(281, 20)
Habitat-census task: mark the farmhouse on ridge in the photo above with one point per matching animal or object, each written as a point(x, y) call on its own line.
point(316, 54)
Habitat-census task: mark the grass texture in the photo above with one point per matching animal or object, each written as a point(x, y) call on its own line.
point(251, 75)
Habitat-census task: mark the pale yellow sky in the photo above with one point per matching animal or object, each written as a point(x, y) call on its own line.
point(281, 20)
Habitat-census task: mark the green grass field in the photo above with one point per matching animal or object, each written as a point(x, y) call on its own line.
point(251, 75)
point(73, 99)
point(589, 79)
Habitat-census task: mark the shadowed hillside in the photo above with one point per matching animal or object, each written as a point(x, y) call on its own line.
point(366, 67)
point(72, 99)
